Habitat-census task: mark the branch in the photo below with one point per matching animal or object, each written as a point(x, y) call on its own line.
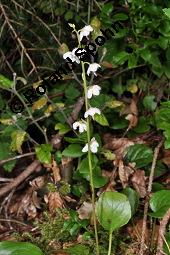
point(16, 157)
point(162, 230)
point(19, 40)
point(146, 207)
point(20, 178)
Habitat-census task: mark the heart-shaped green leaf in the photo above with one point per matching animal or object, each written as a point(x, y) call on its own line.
point(18, 248)
point(113, 210)
point(160, 203)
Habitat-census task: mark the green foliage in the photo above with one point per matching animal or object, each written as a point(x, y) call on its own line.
point(74, 224)
point(162, 119)
point(18, 248)
point(73, 151)
point(5, 83)
point(160, 203)
point(113, 210)
point(133, 199)
point(149, 103)
point(140, 154)
point(43, 153)
point(83, 169)
point(78, 249)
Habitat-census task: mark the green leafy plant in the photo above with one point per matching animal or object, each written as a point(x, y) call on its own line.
point(113, 211)
point(18, 248)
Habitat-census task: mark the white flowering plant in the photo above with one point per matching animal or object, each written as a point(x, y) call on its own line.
point(84, 126)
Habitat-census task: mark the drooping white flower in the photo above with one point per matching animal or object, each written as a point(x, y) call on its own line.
point(72, 56)
point(93, 146)
point(85, 31)
point(92, 111)
point(93, 91)
point(81, 125)
point(93, 68)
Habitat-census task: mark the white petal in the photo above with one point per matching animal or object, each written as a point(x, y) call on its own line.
point(75, 125)
point(85, 148)
point(82, 127)
point(89, 93)
point(85, 31)
point(68, 54)
point(94, 145)
point(88, 71)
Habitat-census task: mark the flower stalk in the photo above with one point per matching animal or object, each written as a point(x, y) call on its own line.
point(89, 157)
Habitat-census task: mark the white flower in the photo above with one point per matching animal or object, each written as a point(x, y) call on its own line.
point(85, 31)
point(93, 146)
point(93, 68)
point(81, 125)
point(91, 112)
point(72, 56)
point(93, 90)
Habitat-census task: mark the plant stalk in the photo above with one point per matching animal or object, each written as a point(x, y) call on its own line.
point(110, 243)
point(89, 158)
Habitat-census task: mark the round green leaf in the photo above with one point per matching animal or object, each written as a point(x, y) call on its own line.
point(160, 203)
point(18, 248)
point(113, 210)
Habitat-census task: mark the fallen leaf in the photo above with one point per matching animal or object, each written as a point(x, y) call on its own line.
point(118, 145)
point(133, 107)
point(54, 201)
point(40, 103)
point(138, 181)
point(166, 157)
point(56, 171)
point(133, 120)
point(124, 173)
point(85, 211)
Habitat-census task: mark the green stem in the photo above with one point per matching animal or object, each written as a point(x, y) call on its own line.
point(32, 118)
point(89, 159)
point(110, 243)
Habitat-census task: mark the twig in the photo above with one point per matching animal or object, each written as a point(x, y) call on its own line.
point(19, 179)
point(146, 207)
point(18, 39)
point(14, 221)
point(6, 179)
point(16, 157)
point(39, 19)
point(162, 230)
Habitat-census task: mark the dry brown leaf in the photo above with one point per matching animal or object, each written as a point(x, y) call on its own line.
point(118, 145)
point(38, 182)
point(133, 120)
point(133, 107)
point(138, 181)
point(26, 204)
point(54, 201)
point(85, 211)
point(124, 173)
point(56, 171)
point(166, 157)
point(67, 169)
